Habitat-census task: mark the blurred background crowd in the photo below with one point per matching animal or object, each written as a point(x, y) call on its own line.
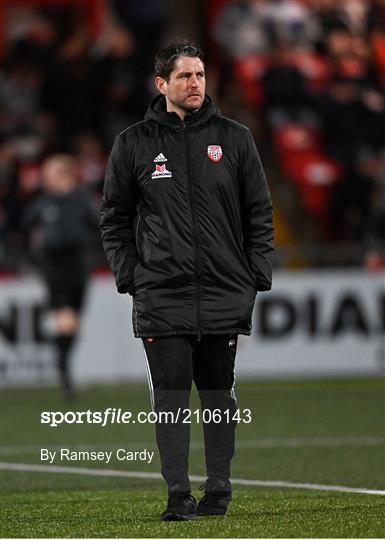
point(307, 76)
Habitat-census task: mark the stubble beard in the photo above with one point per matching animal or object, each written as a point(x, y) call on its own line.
point(184, 107)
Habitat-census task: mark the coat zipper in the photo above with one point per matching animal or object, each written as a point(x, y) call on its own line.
point(197, 250)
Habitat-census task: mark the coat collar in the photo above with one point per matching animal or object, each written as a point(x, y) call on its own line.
point(157, 111)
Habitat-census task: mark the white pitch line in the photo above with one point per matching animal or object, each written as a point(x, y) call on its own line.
point(29, 467)
point(332, 442)
point(311, 441)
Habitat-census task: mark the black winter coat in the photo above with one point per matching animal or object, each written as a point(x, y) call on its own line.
point(186, 222)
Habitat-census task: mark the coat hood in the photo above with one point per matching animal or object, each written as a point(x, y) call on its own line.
point(157, 111)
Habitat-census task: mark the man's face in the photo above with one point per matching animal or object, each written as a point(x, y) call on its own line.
point(58, 175)
point(185, 89)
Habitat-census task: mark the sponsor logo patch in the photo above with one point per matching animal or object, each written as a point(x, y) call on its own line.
point(214, 151)
point(161, 172)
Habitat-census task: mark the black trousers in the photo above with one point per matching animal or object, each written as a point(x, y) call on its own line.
point(172, 364)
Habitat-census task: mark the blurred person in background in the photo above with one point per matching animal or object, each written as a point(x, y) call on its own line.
point(285, 93)
point(240, 29)
point(89, 152)
point(253, 27)
point(58, 224)
point(118, 89)
point(68, 90)
point(143, 19)
point(186, 225)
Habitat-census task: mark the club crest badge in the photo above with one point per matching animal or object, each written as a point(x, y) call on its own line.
point(214, 152)
point(161, 172)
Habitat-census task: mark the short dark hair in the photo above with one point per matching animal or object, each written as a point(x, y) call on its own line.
point(165, 59)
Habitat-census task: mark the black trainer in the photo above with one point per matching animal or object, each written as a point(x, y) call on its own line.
point(216, 498)
point(181, 506)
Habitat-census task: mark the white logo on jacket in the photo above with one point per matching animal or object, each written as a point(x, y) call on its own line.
point(160, 158)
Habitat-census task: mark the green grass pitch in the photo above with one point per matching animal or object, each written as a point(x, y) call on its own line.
point(328, 432)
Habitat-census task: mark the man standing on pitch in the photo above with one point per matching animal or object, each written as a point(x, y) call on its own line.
point(186, 225)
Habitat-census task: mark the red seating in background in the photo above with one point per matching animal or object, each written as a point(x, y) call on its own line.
point(378, 43)
point(314, 67)
point(249, 72)
point(317, 176)
point(295, 137)
point(304, 162)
